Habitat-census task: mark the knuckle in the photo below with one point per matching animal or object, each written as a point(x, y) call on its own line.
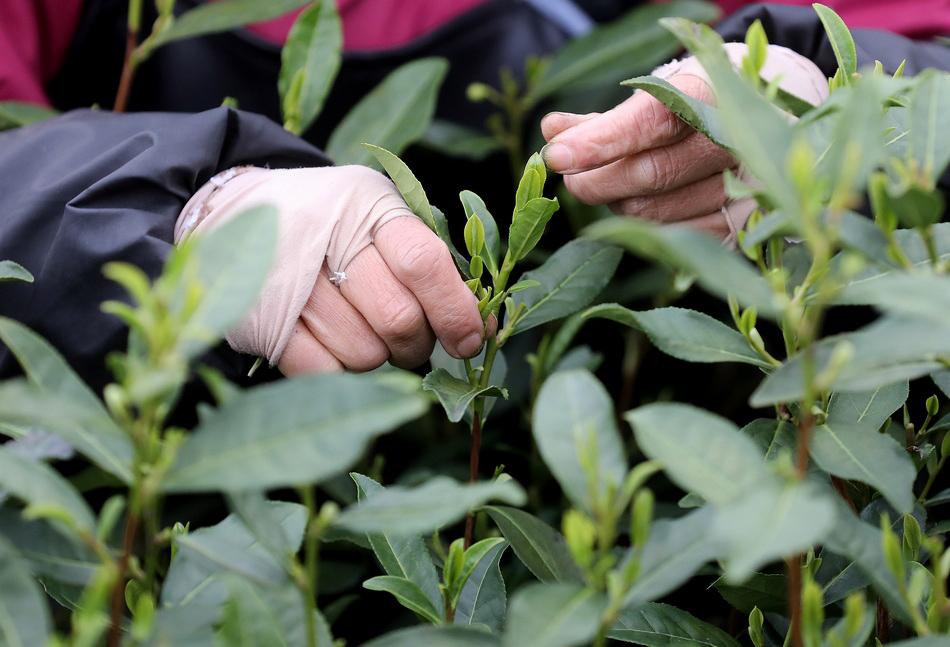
point(400, 319)
point(371, 356)
point(419, 261)
point(652, 172)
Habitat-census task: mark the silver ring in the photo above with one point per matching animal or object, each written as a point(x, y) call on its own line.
point(337, 278)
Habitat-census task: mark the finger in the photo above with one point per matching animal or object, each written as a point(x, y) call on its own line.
point(424, 265)
point(686, 203)
point(304, 354)
point(389, 307)
point(638, 124)
point(713, 224)
point(554, 123)
point(652, 172)
point(342, 330)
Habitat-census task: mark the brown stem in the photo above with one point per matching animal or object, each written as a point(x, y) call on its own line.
point(795, 599)
point(128, 71)
point(804, 439)
point(842, 489)
point(475, 450)
point(883, 623)
point(118, 590)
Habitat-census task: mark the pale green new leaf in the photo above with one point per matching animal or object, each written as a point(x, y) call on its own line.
point(577, 436)
point(435, 637)
point(553, 615)
point(930, 123)
point(841, 41)
point(685, 334)
point(223, 16)
point(539, 546)
point(392, 115)
point(661, 625)
point(10, 271)
point(401, 555)
point(425, 508)
point(474, 556)
point(475, 206)
point(527, 226)
point(870, 408)
point(24, 614)
point(722, 465)
point(408, 594)
point(39, 485)
point(410, 188)
point(289, 433)
point(313, 46)
point(483, 599)
point(569, 279)
point(858, 452)
point(456, 395)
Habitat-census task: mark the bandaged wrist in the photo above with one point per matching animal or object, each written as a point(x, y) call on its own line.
point(327, 215)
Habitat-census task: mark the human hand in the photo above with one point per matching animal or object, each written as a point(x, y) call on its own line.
point(358, 279)
point(642, 160)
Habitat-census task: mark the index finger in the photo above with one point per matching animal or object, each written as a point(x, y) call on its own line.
point(422, 263)
point(637, 124)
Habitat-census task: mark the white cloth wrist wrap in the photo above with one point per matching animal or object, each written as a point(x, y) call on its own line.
point(327, 216)
point(798, 75)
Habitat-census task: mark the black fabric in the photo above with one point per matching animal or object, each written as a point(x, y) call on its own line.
point(91, 187)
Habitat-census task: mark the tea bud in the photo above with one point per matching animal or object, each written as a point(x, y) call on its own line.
point(452, 569)
point(892, 551)
point(945, 445)
point(640, 517)
point(756, 619)
point(854, 608)
point(474, 235)
point(912, 538)
point(933, 405)
point(813, 613)
point(476, 266)
point(581, 534)
point(477, 92)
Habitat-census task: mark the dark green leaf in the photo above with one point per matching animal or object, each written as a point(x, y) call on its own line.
point(261, 517)
point(483, 599)
point(840, 38)
point(223, 16)
point(613, 51)
point(455, 140)
point(701, 116)
point(410, 188)
point(576, 433)
point(541, 548)
point(930, 123)
point(393, 115)
point(769, 592)
point(37, 484)
point(722, 464)
point(408, 594)
point(247, 619)
point(661, 625)
point(528, 225)
point(14, 114)
point(685, 334)
point(289, 432)
point(10, 271)
point(24, 615)
point(859, 453)
point(313, 46)
point(773, 436)
point(435, 637)
point(455, 394)
point(570, 279)
point(553, 615)
point(870, 408)
point(52, 556)
point(190, 626)
point(717, 269)
point(401, 555)
point(425, 508)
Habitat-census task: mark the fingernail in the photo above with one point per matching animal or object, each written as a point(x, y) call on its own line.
point(557, 157)
point(470, 345)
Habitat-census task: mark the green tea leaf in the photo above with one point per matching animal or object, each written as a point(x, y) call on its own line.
point(541, 548)
point(929, 111)
point(247, 619)
point(435, 637)
point(717, 269)
point(701, 116)
point(313, 45)
point(473, 557)
point(576, 433)
point(288, 433)
point(858, 452)
point(456, 395)
point(661, 625)
point(685, 334)
point(772, 436)
point(24, 614)
point(410, 188)
point(871, 408)
point(216, 17)
point(408, 594)
point(475, 206)
point(38, 484)
point(190, 626)
point(10, 271)
point(569, 279)
point(392, 115)
point(483, 599)
point(527, 226)
point(425, 508)
point(455, 140)
point(612, 51)
point(52, 556)
point(260, 516)
point(722, 464)
point(841, 41)
point(767, 591)
point(553, 615)
point(401, 555)
point(14, 114)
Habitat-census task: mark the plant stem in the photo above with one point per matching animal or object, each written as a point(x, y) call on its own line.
point(795, 600)
point(932, 479)
point(474, 452)
point(128, 65)
point(308, 588)
point(804, 439)
point(883, 623)
point(118, 591)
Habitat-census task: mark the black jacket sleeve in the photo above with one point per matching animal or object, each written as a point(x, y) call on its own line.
point(91, 187)
point(800, 29)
